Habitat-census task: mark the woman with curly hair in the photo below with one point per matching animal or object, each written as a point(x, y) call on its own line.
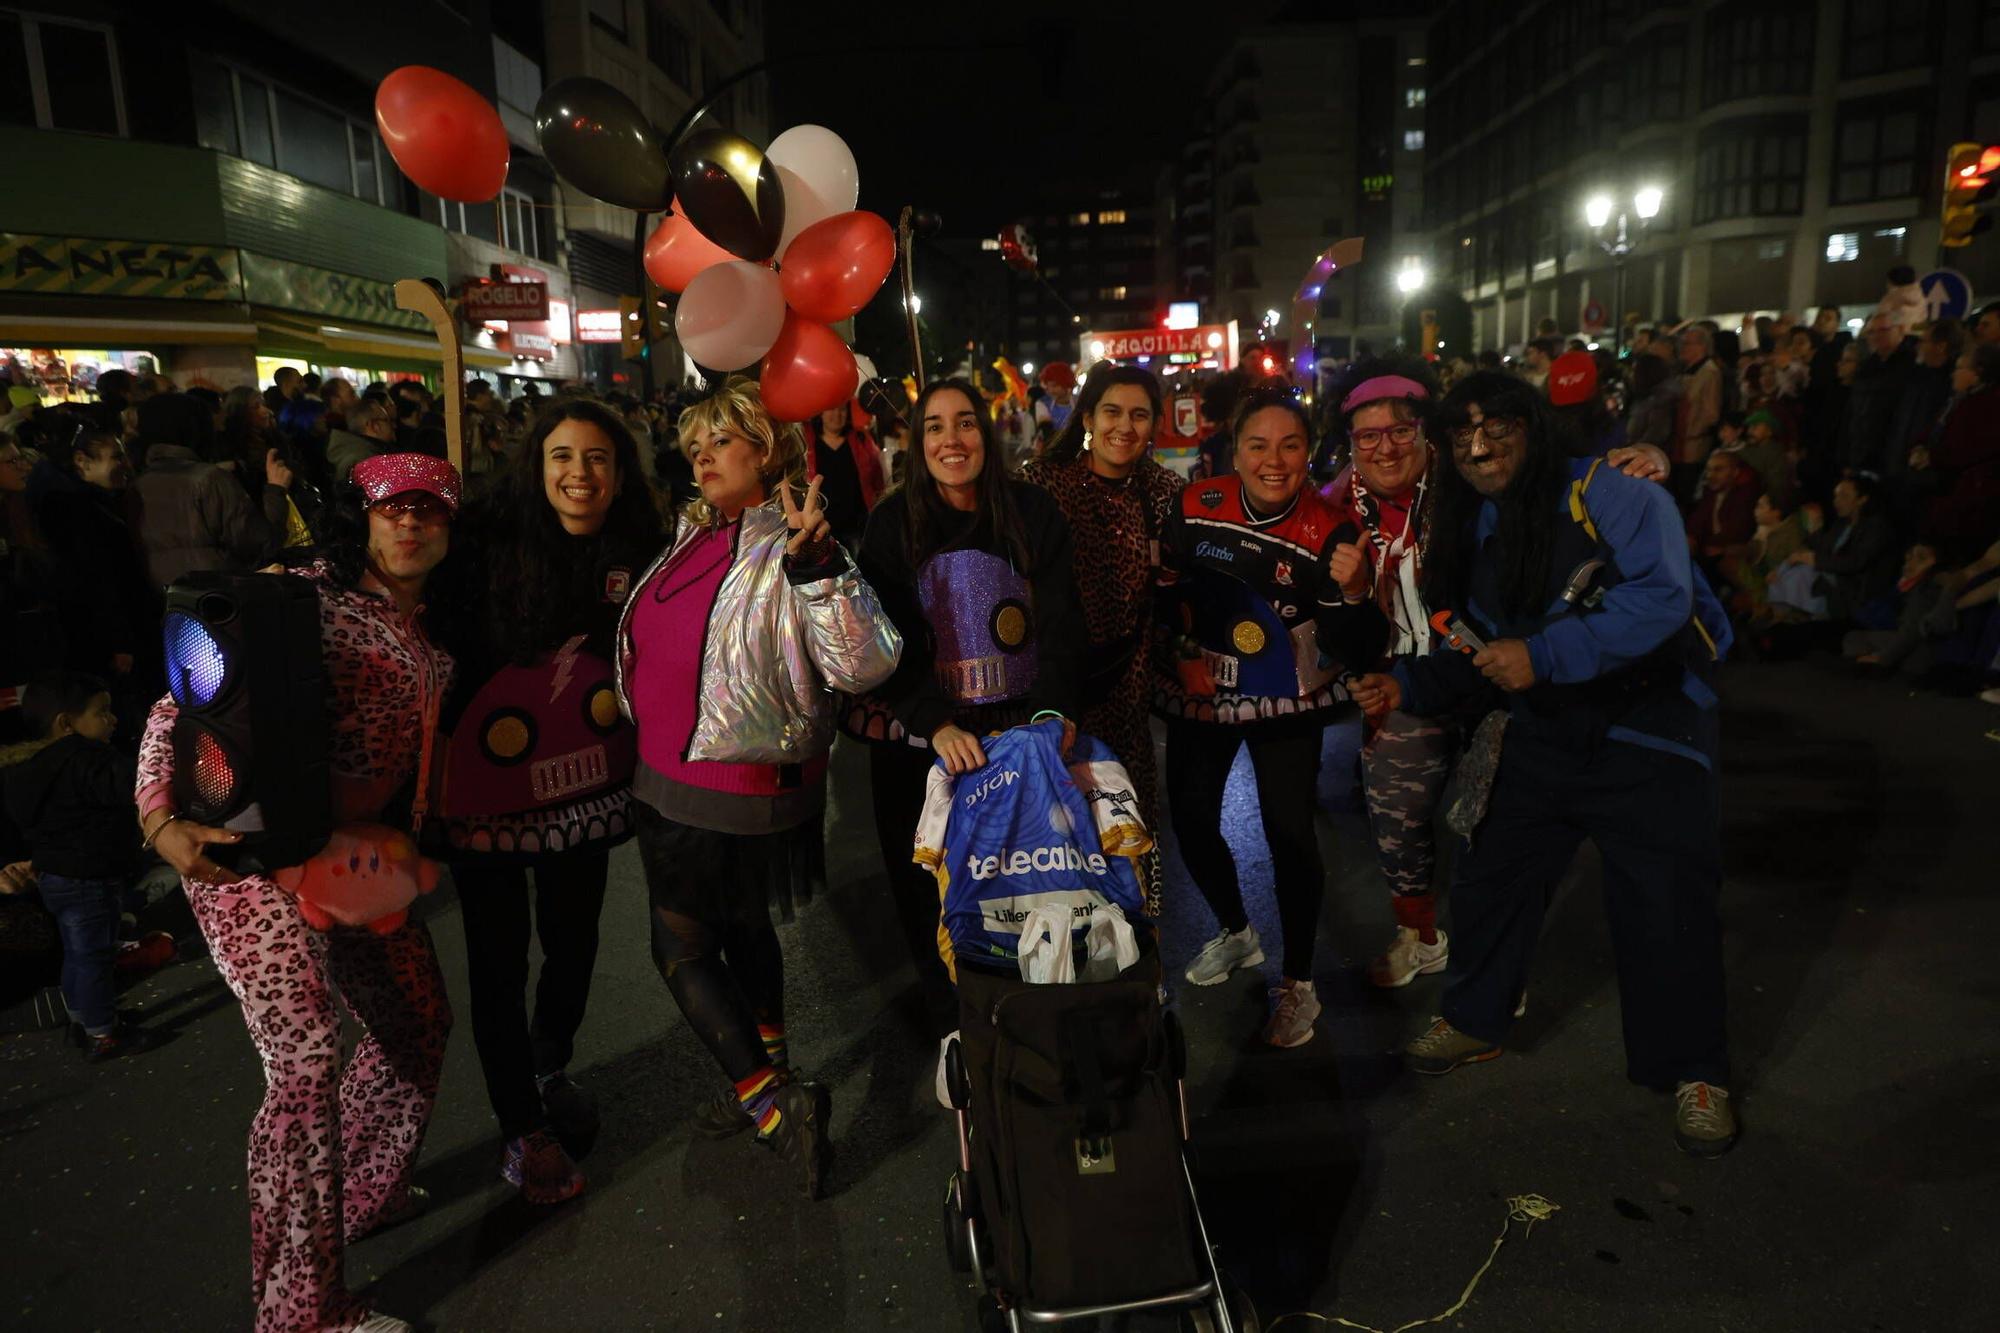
point(728, 653)
point(538, 769)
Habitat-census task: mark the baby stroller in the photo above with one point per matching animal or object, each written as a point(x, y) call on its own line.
point(1073, 1197)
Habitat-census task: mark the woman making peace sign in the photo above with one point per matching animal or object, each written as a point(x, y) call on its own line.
point(727, 655)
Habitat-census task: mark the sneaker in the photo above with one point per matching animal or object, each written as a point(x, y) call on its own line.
point(1990, 696)
point(805, 1122)
point(1225, 953)
point(149, 953)
point(536, 1165)
point(571, 1112)
point(1292, 1015)
point(125, 1038)
point(1521, 1005)
point(943, 1083)
point(1704, 1124)
point(722, 1116)
point(1444, 1048)
point(1408, 958)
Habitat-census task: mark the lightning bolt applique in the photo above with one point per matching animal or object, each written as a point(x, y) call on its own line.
point(565, 667)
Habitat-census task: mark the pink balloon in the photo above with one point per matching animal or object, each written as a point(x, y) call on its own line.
point(807, 370)
point(677, 251)
point(730, 314)
point(443, 134)
point(836, 264)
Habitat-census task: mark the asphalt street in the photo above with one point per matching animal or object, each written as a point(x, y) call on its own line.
point(1861, 899)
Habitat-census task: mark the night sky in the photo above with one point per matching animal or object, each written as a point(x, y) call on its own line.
point(1009, 104)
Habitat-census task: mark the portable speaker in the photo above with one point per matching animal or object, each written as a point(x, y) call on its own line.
point(251, 745)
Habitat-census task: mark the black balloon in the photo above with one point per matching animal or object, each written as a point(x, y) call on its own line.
point(600, 142)
point(730, 192)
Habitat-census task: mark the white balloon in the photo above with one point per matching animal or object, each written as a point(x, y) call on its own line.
point(730, 314)
point(867, 369)
point(816, 169)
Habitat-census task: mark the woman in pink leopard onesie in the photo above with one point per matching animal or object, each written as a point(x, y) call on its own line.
point(331, 1150)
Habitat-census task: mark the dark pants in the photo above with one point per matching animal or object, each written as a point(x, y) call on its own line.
point(86, 912)
point(1199, 756)
point(897, 774)
point(1655, 819)
point(493, 903)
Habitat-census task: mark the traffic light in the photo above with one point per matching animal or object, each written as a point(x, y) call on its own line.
point(634, 330)
point(1972, 177)
point(250, 737)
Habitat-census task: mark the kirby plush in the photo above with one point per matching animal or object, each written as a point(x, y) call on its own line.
point(366, 875)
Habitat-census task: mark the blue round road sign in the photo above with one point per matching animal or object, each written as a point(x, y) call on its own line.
point(1947, 294)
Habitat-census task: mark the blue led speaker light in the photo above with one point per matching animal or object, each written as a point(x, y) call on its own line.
point(196, 667)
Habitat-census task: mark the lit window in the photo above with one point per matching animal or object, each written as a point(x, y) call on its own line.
point(1413, 97)
point(1413, 141)
point(1110, 293)
point(1079, 219)
point(1843, 247)
point(990, 243)
point(1110, 216)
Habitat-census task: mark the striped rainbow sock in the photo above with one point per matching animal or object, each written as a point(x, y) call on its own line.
point(774, 1043)
point(759, 1095)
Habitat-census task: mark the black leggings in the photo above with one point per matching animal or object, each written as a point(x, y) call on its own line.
point(493, 905)
point(897, 774)
point(1199, 755)
point(727, 976)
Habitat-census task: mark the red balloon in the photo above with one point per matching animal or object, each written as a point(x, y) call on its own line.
point(808, 370)
point(677, 250)
point(832, 267)
point(445, 137)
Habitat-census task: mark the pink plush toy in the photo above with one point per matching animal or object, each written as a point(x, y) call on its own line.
point(366, 875)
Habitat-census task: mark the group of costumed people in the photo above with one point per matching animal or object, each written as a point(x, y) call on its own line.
point(525, 681)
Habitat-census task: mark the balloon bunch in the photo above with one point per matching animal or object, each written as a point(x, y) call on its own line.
point(735, 210)
point(764, 247)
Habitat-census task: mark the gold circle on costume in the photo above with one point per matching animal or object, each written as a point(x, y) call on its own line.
point(1010, 627)
point(1248, 636)
point(507, 738)
point(604, 708)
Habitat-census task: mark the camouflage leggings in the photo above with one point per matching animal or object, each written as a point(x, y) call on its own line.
point(1404, 766)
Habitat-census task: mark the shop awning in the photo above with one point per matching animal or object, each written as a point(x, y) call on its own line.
point(124, 325)
point(360, 344)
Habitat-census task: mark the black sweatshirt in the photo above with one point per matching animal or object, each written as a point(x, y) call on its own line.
point(891, 569)
point(73, 799)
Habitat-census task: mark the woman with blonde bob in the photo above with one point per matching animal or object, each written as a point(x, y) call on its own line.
point(728, 653)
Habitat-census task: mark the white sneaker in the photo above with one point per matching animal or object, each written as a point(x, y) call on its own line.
point(383, 1323)
point(1990, 696)
point(1292, 1016)
point(944, 1084)
point(1223, 954)
point(1408, 958)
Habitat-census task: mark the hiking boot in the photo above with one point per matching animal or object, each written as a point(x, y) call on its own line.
point(722, 1116)
point(1292, 1015)
point(536, 1165)
point(1408, 958)
point(1704, 1123)
point(1444, 1048)
point(803, 1136)
point(1224, 954)
point(571, 1112)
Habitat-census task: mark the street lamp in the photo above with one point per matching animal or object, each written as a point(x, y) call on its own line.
point(1411, 277)
point(1598, 211)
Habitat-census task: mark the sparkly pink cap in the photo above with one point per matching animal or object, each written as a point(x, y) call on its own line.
point(385, 475)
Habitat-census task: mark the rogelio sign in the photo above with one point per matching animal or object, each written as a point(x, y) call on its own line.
point(506, 300)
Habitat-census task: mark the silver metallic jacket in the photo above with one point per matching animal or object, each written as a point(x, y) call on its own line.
point(773, 653)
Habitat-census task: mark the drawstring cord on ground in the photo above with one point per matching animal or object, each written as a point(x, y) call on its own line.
point(1527, 1209)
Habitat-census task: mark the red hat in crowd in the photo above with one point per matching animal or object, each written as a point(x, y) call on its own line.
point(1059, 373)
point(1573, 379)
point(385, 475)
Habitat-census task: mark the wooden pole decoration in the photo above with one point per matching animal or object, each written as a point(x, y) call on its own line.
point(425, 297)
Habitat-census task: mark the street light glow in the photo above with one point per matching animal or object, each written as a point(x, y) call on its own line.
point(1647, 201)
point(1597, 211)
point(916, 304)
point(1214, 340)
point(1027, 367)
point(1271, 317)
point(1097, 347)
point(1411, 278)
